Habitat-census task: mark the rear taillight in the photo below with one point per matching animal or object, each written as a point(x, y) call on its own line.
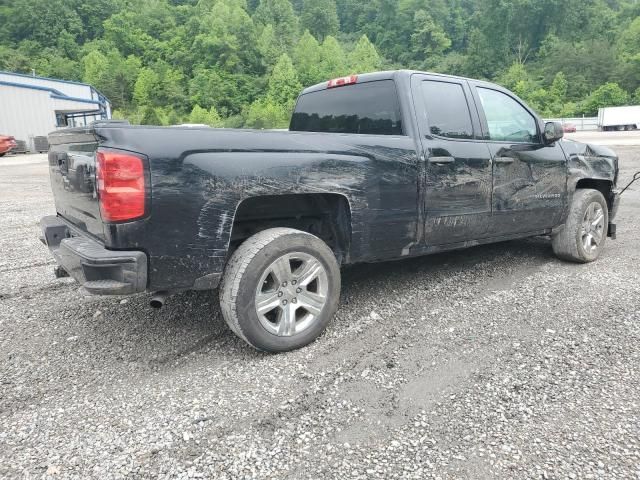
point(341, 82)
point(121, 186)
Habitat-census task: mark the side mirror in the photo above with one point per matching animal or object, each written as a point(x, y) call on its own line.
point(553, 132)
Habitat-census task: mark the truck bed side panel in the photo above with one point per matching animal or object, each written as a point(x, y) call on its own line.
point(200, 176)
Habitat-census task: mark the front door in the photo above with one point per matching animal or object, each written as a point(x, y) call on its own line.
point(529, 177)
point(458, 170)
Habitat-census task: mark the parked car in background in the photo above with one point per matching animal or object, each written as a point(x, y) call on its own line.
point(569, 128)
point(7, 143)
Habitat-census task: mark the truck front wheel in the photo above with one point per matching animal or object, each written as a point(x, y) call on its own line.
point(585, 231)
point(280, 289)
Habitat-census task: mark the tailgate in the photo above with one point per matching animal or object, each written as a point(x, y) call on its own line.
point(72, 168)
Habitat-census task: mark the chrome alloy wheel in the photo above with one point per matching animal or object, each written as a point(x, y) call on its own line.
point(592, 232)
point(291, 294)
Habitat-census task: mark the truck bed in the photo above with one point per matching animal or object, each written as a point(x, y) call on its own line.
point(199, 176)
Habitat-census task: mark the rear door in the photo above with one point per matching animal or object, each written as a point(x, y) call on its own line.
point(529, 177)
point(458, 169)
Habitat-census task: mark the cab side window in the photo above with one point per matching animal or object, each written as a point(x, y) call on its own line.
point(447, 110)
point(508, 121)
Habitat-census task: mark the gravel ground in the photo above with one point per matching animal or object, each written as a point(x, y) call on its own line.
point(627, 138)
point(494, 362)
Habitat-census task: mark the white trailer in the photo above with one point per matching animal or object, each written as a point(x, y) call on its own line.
point(619, 118)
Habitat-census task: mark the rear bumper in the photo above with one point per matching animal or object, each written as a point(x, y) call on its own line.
point(98, 270)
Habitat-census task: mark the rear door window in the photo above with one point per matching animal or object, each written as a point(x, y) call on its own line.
point(447, 109)
point(370, 108)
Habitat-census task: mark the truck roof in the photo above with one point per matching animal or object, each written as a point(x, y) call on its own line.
point(385, 75)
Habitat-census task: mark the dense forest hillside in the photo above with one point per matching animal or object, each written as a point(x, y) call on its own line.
point(242, 62)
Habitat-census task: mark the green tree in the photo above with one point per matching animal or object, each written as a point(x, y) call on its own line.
point(307, 57)
point(629, 56)
point(364, 57)
point(13, 60)
point(93, 13)
point(513, 76)
point(591, 62)
point(267, 114)
point(125, 32)
point(175, 54)
point(628, 72)
point(112, 74)
point(274, 109)
point(42, 21)
point(428, 40)
point(284, 86)
point(333, 61)
point(150, 116)
point(172, 88)
point(225, 37)
point(538, 99)
point(269, 47)
point(66, 46)
point(559, 87)
point(147, 83)
point(629, 41)
point(173, 118)
point(95, 65)
point(227, 92)
point(204, 86)
point(209, 117)
point(556, 100)
point(279, 14)
point(320, 17)
point(608, 95)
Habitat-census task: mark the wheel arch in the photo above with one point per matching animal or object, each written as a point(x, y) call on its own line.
point(325, 215)
point(603, 186)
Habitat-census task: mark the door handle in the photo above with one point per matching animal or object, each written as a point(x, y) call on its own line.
point(504, 159)
point(441, 160)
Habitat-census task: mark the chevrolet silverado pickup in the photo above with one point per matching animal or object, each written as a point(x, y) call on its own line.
point(374, 167)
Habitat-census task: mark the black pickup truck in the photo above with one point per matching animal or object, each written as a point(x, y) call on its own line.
point(374, 167)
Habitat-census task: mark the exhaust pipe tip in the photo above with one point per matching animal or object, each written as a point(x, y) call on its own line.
point(157, 301)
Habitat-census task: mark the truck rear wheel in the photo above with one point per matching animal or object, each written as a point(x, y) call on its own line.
point(280, 289)
point(585, 230)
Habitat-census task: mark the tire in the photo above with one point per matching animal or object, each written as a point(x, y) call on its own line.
point(259, 306)
point(582, 240)
point(2, 154)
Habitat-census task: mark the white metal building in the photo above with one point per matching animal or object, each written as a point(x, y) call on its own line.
point(32, 106)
